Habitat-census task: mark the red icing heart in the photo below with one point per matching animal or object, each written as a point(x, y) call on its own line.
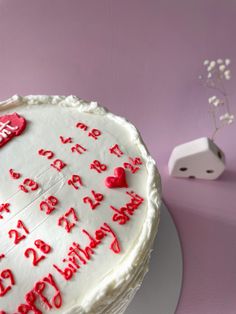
point(11, 125)
point(118, 181)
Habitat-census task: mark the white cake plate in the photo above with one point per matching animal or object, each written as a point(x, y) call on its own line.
point(160, 291)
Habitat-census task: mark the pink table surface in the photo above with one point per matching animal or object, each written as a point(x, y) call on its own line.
point(141, 59)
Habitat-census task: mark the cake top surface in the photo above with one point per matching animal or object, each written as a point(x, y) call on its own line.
point(79, 203)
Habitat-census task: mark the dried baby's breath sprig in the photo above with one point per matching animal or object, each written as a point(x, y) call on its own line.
point(216, 73)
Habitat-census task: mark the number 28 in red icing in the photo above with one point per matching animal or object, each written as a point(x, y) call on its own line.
point(11, 125)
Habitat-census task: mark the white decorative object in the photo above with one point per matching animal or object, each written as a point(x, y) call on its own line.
point(201, 159)
point(216, 73)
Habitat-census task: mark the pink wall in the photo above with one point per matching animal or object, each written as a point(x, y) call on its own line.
point(141, 59)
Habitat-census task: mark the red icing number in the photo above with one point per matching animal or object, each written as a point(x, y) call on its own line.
point(14, 175)
point(95, 200)
point(4, 207)
point(58, 164)
point(64, 221)
point(95, 133)
point(6, 275)
point(49, 204)
point(29, 183)
point(40, 245)
point(66, 140)
point(78, 149)
point(98, 166)
point(75, 181)
point(132, 164)
point(18, 237)
point(47, 153)
point(116, 150)
point(82, 126)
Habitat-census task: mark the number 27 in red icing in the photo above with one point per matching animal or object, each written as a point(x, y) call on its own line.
point(11, 125)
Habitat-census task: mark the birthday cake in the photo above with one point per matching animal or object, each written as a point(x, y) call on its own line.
point(79, 207)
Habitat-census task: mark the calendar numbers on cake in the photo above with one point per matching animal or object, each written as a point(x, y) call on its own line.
point(82, 126)
point(133, 164)
point(15, 175)
point(115, 150)
point(47, 153)
point(93, 201)
point(6, 281)
point(98, 166)
point(28, 185)
point(34, 254)
point(78, 149)
point(20, 233)
point(75, 181)
point(42, 246)
point(94, 133)
point(49, 205)
point(66, 220)
point(66, 140)
point(4, 208)
point(58, 164)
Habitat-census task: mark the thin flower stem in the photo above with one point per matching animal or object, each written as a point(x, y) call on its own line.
point(215, 124)
point(215, 80)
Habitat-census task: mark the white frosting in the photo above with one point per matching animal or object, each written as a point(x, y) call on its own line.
point(107, 283)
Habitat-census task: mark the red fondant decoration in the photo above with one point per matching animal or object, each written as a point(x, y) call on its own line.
point(118, 181)
point(11, 125)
